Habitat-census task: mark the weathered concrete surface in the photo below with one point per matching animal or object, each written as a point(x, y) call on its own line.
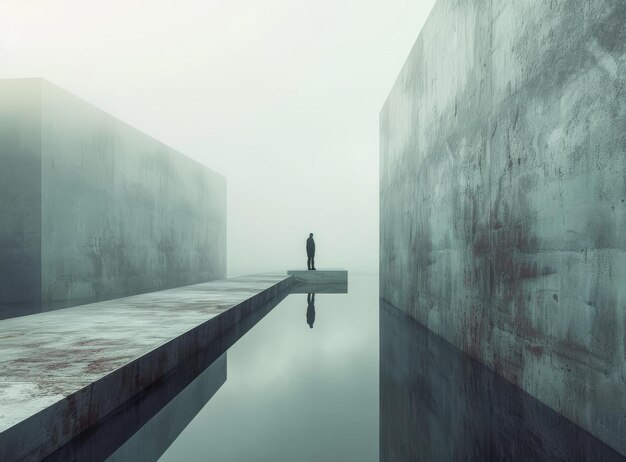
point(502, 196)
point(439, 404)
point(64, 370)
point(94, 209)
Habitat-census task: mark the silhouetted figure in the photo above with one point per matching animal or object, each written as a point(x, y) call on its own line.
point(310, 252)
point(310, 310)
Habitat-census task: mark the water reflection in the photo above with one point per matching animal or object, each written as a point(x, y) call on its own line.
point(310, 310)
point(293, 396)
point(437, 404)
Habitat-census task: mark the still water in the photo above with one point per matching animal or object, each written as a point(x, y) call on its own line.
point(296, 393)
point(364, 383)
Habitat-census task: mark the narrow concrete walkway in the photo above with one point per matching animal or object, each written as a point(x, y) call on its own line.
point(62, 371)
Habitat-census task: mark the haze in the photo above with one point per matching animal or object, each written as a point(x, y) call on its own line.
point(282, 97)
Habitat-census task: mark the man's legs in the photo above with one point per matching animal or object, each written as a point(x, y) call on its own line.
point(308, 263)
point(312, 263)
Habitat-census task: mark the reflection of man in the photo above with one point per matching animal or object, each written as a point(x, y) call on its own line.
point(310, 310)
point(310, 252)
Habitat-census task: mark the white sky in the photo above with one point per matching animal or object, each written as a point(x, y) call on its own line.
point(280, 96)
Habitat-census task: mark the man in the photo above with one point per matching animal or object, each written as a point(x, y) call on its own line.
point(310, 252)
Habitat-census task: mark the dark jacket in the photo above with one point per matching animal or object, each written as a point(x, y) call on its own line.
point(310, 247)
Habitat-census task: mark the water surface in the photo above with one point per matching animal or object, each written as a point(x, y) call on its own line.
point(295, 393)
point(365, 383)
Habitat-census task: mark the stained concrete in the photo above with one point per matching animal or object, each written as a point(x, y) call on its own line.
point(64, 370)
point(502, 196)
point(93, 209)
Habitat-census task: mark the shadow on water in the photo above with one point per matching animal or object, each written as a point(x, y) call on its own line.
point(438, 404)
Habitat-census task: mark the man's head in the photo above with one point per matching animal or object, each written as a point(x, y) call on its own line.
point(310, 234)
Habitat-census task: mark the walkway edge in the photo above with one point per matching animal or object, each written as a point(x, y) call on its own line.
point(42, 433)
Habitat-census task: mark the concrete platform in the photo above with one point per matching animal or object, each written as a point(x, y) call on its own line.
point(63, 371)
point(320, 281)
point(142, 428)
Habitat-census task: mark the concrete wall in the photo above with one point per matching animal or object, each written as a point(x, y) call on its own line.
point(20, 195)
point(502, 196)
point(117, 212)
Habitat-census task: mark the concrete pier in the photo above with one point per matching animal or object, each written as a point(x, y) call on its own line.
point(63, 371)
point(324, 280)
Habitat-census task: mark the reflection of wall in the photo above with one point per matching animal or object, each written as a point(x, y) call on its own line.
point(436, 403)
point(97, 209)
point(503, 181)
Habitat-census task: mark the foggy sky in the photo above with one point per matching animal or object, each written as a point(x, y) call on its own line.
point(280, 96)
